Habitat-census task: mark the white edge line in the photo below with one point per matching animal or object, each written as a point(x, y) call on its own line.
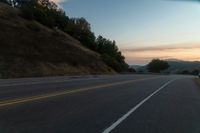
point(120, 120)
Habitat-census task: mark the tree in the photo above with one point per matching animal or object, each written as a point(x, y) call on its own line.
point(80, 29)
point(186, 72)
point(132, 70)
point(9, 2)
point(156, 65)
point(195, 72)
point(4, 1)
point(111, 54)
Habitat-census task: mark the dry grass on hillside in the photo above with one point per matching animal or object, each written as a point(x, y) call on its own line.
point(28, 49)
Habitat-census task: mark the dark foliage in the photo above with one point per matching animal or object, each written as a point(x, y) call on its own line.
point(110, 54)
point(80, 29)
point(195, 72)
point(8, 2)
point(4, 1)
point(43, 11)
point(132, 70)
point(156, 65)
point(187, 72)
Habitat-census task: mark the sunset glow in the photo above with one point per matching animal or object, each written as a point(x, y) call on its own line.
point(144, 55)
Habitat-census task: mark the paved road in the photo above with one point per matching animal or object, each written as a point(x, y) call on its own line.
point(100, 104)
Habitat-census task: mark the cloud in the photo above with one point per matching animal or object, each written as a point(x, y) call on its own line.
point(163, 47)
point(145, 54)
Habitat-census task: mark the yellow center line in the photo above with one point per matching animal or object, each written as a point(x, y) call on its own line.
point(55, 94)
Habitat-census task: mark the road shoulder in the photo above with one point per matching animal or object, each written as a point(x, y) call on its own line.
point(197, 81)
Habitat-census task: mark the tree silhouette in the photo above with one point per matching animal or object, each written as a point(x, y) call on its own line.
point(156, 65)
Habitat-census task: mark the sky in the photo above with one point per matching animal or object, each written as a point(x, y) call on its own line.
point(143, 29)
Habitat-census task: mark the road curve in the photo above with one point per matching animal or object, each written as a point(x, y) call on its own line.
point(100, 104)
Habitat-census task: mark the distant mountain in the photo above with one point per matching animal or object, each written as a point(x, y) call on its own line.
point(173, 59)
point(135, 66)
point(176, 66)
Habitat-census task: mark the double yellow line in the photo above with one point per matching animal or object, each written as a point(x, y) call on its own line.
point(55, 94)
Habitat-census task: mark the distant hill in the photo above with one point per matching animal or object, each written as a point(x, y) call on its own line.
point(179, 66)
point(136, 67)
point(176, 66)
point(28, 49)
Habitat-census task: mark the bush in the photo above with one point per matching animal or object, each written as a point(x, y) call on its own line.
point(132, 70)
point(156, 65)
point(195, 72)
point(111, 62)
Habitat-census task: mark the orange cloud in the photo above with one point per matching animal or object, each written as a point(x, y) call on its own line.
point(144, 55)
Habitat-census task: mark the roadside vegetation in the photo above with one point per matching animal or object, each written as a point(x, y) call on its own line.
point(187, 72)
point(49, 14)
point(157, 65)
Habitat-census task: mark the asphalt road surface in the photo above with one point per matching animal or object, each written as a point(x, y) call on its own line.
point(100, 104)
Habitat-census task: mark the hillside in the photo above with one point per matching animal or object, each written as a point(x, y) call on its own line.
point(179, 66)
point(28, 49)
